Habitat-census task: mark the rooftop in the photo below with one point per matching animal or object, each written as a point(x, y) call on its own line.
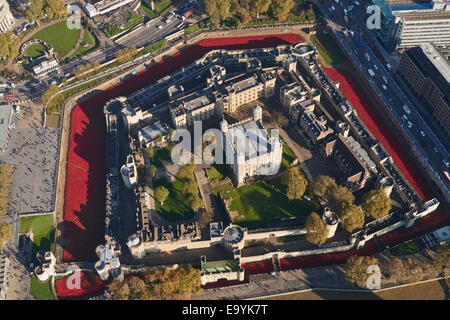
point(5, 118)
point(149, 133)
point(220, 266)
point(438, 61)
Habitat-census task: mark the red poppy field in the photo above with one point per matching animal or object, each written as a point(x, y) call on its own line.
point(90, 284)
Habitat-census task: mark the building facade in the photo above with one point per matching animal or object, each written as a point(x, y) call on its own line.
point(407, 23)
point(45, 67)
point(248, 148)
point(6, 17)
point(428, 74)
point(222, 96)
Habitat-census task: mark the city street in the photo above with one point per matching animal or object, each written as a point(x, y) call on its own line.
point(418, 131)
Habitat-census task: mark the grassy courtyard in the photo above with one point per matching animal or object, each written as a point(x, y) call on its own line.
point(259, 203)
point(162, 156)
point(148, 12)
point(328, 48)
point(161, 5)
point(35, 50)
point(60, 37)
point(42, 290)
point(43, 232)
point(89, 41)
point(217, 171)
point(405, 249)
point(287, 157)
point(176, 207)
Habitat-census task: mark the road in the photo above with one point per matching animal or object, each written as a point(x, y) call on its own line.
point(351, 37)
point(156, 30)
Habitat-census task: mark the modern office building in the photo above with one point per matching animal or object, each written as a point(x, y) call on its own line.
point(428, 74)
point(408, 23)
point(6, 18)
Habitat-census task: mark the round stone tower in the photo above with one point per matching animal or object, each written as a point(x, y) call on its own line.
point(331, 221)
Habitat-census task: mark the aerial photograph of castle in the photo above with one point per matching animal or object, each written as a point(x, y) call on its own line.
point(207, 150)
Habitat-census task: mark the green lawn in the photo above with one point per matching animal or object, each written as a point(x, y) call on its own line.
point(61, 38)
point(333, 54)
point(161, 5)
point(192, 29)
point(405, 249)
point(287, 157)
point(42, 290)
point(132, 21)
point(87, 39)
point(35, 50)
point(291, 238)
point(217, 171)
point(263, 202)
point(175, 207)
point(43, 232)
point(153, 47)
point(225, 189)
point(149, 12)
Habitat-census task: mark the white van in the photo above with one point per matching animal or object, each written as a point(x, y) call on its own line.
point(384, 79)
point(407, 110)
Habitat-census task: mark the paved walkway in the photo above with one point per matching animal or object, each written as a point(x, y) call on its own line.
point(212, 212)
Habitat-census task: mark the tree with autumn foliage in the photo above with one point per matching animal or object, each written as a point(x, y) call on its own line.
point(355, 269)
point(376, 203)
point(316, 230)
point(294, 182)
point(351, 216)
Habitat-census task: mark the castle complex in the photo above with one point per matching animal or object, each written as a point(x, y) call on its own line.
point(211, 88)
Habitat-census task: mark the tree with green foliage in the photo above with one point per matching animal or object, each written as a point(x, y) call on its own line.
point(186, 172)
point(151, 151)
point(189, 188)
point(161, 194)
point(281, 8)
point(153, 169)
point(158, 138)
point(336, 195)
point(5, 233)
point(316, 230)
point(295, 183)
point(321, 183)
point(376, 203)
point(351, 216)
point(195, 202)
point(356, 269)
